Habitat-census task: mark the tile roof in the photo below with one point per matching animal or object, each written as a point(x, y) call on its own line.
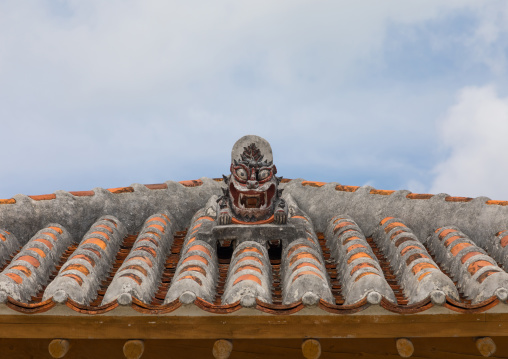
point(156, 248)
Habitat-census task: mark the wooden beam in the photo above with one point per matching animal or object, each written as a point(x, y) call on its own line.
point(486, 346)
point(58, 348)
point(222, 349)
point(311, 349)
point(368, 348)
point(405, 347)
point(251, 327)
point(133, 349)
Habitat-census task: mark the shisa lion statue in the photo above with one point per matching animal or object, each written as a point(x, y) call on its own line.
point(251, 217)
point(252, 192)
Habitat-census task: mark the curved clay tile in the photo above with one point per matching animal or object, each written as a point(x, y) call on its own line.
point(139, 274)
point(8, 246)
point(358, 268)
point(80, 277)
point(31, 268)
point(248, 277)
point(477, 274)
point(197, 270)
point(418, 274)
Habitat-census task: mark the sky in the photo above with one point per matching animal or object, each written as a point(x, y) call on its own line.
point(392, 94)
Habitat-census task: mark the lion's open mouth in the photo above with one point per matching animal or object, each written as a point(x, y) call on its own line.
point(252, 199)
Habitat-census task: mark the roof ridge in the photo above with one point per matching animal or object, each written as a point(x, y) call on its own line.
point(198, 182)
point(128, 189)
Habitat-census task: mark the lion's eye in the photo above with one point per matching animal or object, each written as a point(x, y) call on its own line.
point(263, 174)
point(241, 173)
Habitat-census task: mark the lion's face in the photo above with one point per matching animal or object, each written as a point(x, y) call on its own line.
point(252, 189)
point(252, 185)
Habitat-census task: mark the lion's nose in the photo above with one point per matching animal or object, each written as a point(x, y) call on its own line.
point(252, 184)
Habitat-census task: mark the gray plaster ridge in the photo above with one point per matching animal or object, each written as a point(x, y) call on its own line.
point(81, 275)
point(140, 273)
point(249, 275)
point(197, 270)
point(203, 221)
point(358, 269)
point(25, 217)
point(8, 246)
point(476, 273)
point(31, 268)
point(416, 271)
point(294, 209)
point(497, 246)
point(303, 272)
point(475, 218)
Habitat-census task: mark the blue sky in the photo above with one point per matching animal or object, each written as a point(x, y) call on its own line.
point(393, 94)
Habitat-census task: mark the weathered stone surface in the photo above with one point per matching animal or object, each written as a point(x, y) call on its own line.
point(197, 269)
point(303, 271)
point(414, 267)
point(81, 275)
point(249, 274)
point(31, 268)
point(357, 266)
point(476, 273)
point(140, 272)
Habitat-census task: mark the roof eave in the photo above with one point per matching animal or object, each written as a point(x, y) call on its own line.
point(249, 324)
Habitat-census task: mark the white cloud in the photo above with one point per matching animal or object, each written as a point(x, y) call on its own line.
point(108, 53)
point(489, 41)
point(475, 131)
point(112, 91)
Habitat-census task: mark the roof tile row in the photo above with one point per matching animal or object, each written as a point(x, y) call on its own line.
point(358, 270)
point(344, 270)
